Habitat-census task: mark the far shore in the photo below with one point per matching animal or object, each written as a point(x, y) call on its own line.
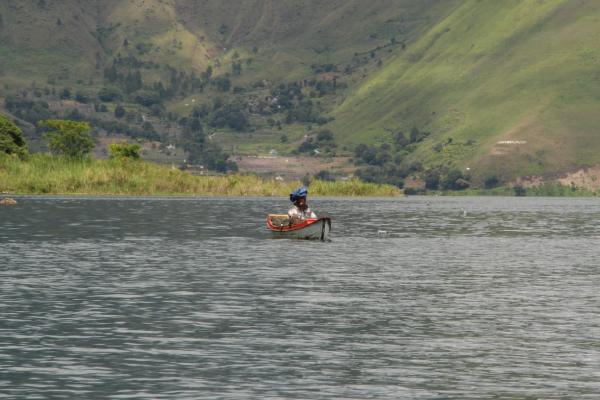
point(42, 174)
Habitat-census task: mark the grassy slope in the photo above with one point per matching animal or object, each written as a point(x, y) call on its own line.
point(37, 47)
point(33, 46)
point(185, 33)
point(292, 36)
point(491, 71)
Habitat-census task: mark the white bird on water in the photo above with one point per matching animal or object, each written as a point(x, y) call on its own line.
point(464, 212)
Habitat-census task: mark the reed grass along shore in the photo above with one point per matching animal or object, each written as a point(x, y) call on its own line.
point(45, 174)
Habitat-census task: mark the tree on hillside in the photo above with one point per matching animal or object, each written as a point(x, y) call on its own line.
point(65, 94)
point(82, 97)
point(69, 138)
point(325, 136)
point(133, 82)
point(119, 111)
point(222, 83)
point(111, 73)
point(110, 93)
point(206, 75)
point(29, 110)
point(11, 138)
point(416, 135)
point(400, 140)
point(236, 68)
point(147, 98)
point(454, 180)
point(232, 115)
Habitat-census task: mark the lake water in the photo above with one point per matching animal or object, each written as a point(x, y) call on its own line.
point(460, 298)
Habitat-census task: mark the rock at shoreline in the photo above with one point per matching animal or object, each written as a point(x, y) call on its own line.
point(7, 201)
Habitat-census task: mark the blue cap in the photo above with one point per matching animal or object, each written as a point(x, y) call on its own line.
point(298, 193)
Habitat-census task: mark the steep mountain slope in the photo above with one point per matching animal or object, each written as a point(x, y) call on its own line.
point(68, 38)
point(508, 87)
point(36, 40)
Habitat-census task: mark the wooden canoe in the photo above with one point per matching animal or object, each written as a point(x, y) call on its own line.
point(310, 228)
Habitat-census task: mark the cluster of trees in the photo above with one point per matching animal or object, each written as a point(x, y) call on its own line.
point(125, 83)
point(26, 109)
point(33, 110)
point(220, 114)
point(326, 87)
point(125, 73)
point(289, 93)
point(231, 114)
point(323, 142)
point(446, 179)
point(128, 81)
point(75, 138)
point(323, 68)
point(306, 111)
point(284, 96)
point(124, 76)
point(402, 145)
point(200, 151)
point(290, 100)
point(65, 138)
point(221, 83)
point(182, 83)
point(388, 163)
point(110, 94)
point(390, 173)
point(375, 155)
point(146, 131)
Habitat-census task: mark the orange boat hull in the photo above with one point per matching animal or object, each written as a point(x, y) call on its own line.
point(309, 229)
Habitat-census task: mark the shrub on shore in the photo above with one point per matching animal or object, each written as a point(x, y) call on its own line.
point(120, 151)
point(11, 138)
point(69, 138)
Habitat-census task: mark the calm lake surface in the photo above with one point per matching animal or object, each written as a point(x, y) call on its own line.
point(460, 298)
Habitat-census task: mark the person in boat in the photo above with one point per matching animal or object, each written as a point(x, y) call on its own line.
point(299, 210)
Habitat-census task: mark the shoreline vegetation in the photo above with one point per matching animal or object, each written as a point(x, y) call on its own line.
point(71, 170)
point(550, 189)
point(42, 174)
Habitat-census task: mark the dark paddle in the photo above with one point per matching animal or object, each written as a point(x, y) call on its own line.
point(328, 221)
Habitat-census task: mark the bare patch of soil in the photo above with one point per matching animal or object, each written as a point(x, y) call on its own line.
point(586, 178)
point(293, 167)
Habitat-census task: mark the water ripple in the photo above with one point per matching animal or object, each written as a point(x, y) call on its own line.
point(189, 298)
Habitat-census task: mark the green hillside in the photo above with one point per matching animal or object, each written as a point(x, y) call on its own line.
point(62, 39)
point(509, 71)
point(491, 88)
